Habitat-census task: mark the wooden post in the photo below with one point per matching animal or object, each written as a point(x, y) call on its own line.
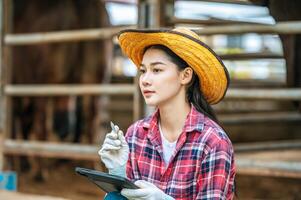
point(1, 66)
point(6, 19)
point(289, 53)
point(151, 14)
point(162, 12)
point(1, 152)
point(1, 88)
point(143, 22)
point(155, 13)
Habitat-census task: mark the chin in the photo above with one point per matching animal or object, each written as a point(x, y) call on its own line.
point(151, 103)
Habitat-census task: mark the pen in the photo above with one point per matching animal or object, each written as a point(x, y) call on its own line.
point(116, 131)
point(113, 126)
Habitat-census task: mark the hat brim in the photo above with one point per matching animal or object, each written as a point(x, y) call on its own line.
point(213, 75)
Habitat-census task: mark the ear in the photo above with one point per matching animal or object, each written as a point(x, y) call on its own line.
point(186, 75)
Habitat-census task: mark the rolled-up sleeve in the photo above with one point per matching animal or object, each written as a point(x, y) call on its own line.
point(216, 180)
point(129, 139)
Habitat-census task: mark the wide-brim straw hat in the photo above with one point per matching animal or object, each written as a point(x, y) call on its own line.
point(212, 73)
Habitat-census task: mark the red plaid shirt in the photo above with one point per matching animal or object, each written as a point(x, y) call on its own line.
point(202, 166)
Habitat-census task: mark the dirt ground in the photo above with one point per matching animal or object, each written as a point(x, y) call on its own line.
point(63, 182)
point(255, 187)
point(8, 195)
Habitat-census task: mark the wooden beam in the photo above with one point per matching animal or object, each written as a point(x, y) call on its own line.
point(273, 158)
point(268, 168)
point(64, 90)
point(207, 22)
point(62, 36)
point(261, 83)
point(131, 2)
point(230, 119)
point(293, 27)
point(272, 94)
point(240, 2)
point(51, 149)
point(249, 56)
point(248, 166)
point(270, 145)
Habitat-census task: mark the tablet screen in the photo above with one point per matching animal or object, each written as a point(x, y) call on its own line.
point(107, 182)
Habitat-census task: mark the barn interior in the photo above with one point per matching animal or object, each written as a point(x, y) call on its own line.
point(64, 78)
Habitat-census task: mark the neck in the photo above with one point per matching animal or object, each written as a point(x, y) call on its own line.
point(172, 119)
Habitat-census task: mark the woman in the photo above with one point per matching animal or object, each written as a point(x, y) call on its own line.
point(179, 152)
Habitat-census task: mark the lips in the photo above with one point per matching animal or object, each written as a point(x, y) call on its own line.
point(148, 92)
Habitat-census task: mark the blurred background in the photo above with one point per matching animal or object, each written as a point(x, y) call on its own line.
point(64, 78)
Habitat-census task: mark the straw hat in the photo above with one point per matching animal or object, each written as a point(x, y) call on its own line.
point(187, 45)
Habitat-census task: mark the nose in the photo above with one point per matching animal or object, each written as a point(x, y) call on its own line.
point(145, 79)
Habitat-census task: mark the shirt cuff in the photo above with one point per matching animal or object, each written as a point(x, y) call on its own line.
point(118, 171)
point(167, 197)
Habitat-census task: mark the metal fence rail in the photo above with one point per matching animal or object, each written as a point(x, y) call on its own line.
point(62, 36)
point(260, 94)
point(61, 90)
point(279, 28)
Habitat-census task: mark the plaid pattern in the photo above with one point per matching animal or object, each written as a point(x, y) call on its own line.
point(202, 166)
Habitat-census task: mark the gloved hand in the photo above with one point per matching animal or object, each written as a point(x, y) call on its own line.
point(147, 191)
point(115, 150)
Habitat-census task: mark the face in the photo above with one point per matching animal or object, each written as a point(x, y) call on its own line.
point(160, 80)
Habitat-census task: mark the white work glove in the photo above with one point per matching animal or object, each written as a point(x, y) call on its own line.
point(114, 152)
point(147, 191)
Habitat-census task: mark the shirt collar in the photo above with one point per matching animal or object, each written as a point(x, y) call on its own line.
point(194, 121)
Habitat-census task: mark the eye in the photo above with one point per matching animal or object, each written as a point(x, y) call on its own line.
point(141, 70)
point(156, 70)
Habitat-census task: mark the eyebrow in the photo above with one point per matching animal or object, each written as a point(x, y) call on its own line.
point(153, 64)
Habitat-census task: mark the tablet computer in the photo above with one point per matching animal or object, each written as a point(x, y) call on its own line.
point(107, 182)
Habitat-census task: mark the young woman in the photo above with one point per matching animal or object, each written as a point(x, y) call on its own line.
point(180, 151)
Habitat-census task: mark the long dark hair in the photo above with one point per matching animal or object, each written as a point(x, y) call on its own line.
point(193, 94)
